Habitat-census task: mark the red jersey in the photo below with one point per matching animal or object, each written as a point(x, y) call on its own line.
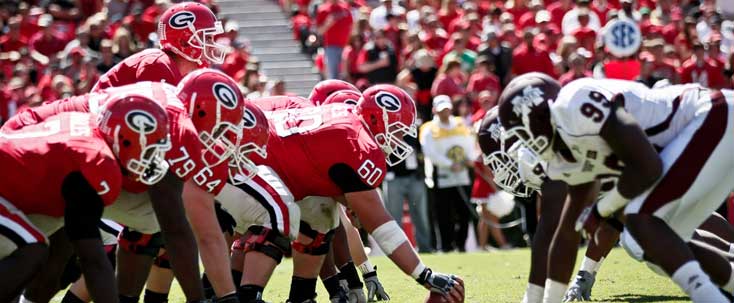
point(707, 74)
point(315, 150)
point(185, 155)
point(149, 65)
point(338, 33)
point(43, 155)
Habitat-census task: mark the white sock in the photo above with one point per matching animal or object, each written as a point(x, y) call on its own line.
point(729, 286)
point(533, 294)
point(366, 267)
point(24, 300)
point(694, 282)
point(731, 249)
point(554, 291)
point(589, 265)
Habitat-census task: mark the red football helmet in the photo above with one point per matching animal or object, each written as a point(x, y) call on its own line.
point(255, 135)
point(215, 105)
point(343, 97)
point(389, 113)
point(525, 111)
point(136, 129)
point(323, 89)
point(188, 29)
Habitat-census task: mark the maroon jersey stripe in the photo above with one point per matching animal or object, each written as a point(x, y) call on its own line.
point(686, 168)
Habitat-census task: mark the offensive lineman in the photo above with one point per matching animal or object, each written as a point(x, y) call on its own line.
point(82, 161)
point(332, 151)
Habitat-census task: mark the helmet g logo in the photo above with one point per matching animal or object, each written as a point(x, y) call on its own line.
point(388, 101)
point(248, 119)
point(225, 95)
point(182, 19)
point(141, 121)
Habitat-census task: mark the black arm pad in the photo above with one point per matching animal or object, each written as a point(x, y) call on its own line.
point(347, 179)
point(83, 208)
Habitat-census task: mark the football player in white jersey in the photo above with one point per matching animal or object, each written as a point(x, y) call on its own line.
point(518, 171)
point(669, 148)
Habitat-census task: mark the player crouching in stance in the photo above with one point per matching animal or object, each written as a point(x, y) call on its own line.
point(333, 150)
point(81, 161)
point(590, 129)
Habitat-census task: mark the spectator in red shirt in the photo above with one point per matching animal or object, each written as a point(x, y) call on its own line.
point(585, 35)
point(698, 69)
point(518, 8)
point(448, 13)
point(433, 36)
point(482, 79)
point(392, 32)
point(46, 42)
point(713, 45)
point(350, 56)
point(301, 24)
point(450, 81)
point(578, 70)
point(13, 40)
point(528, 18)
point(334, 22)
point(662, 69)
point(559, 8)
point(236, 60)
point(527, 58)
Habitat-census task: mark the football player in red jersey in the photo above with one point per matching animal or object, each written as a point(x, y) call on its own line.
point(210, 96)
point(186, 34)
point(126, 141)
point(332, 151)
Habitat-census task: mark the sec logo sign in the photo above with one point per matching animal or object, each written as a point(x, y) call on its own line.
point(388, 101)
point(622, 37)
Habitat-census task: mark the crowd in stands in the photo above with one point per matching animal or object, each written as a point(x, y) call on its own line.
point(463, 51)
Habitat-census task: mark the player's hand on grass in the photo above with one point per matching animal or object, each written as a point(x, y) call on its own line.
point(375, 291)
point(450, 286)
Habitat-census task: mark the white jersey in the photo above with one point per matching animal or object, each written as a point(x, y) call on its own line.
point(583, 106)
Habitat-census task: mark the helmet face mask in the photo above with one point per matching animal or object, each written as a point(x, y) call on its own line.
point(220, 145)
point(242, 165)
point(151, 166)
point(392, 141)
point(255, 136)
point(204, 39)
point(539, 144)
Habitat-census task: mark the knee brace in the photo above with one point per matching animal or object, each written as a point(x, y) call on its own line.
point(162, 261)
point(265, 240)
point(320, 244)
point(139, 243)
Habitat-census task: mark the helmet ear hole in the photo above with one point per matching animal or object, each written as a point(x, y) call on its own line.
point(201, 114)
point(126, 143)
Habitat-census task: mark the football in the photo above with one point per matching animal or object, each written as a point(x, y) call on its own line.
point(434, 297)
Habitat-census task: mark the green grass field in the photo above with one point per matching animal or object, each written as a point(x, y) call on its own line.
point(496, 277)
